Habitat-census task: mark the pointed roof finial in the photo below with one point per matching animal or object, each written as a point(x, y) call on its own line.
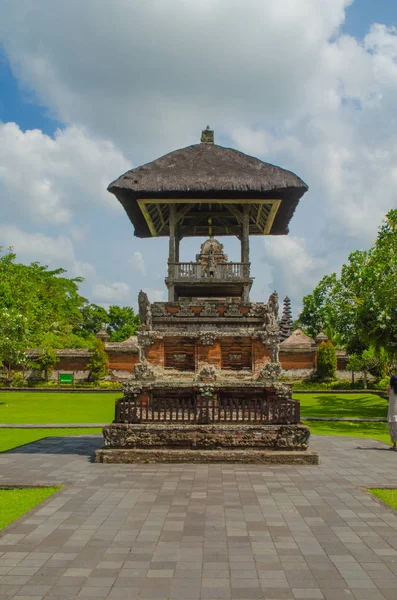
point(207, 136)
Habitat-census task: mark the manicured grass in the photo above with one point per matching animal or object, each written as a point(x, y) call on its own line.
point(375, 431)
point(360, 406)
point(16, 502)
point(12, 438)
point(54, 407)
point(388, 496)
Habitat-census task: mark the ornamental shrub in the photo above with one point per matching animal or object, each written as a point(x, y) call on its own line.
point(326, 361)
point(98, 361)
point(18, 379)
point(46, 361)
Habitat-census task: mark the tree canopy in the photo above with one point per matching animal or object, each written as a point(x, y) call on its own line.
point(360, 305)
point(51, 310)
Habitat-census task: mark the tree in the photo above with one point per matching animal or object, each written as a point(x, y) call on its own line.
point(122, 323)
point(354, 365)
point(46, 361)
point(371, 361)
point(48, 300)
point(98, 362)
point(14, 340)
point(92, 318)
point(326, 361)
point(318, 312)
point(361, 304)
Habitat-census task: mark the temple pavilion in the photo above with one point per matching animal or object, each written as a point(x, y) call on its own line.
point(208, 355)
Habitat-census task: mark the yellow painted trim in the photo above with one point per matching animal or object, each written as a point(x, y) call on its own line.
point(148, 218)
point(275, 205)
point(205, 201)
point(272, 216)
point(258, 216)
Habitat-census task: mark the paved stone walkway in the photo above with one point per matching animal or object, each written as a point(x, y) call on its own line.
point(201, 532)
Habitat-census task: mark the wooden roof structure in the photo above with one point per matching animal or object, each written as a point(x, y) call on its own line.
point(209, 184)
point(298, 339)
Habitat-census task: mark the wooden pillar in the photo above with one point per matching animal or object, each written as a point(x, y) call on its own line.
point(177, 243)
point(245, 252)
point(172, 224)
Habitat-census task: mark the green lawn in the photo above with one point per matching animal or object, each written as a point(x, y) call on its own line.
point(57, 407)
point(12, 438)
point(388, 496)
point(16, 502)
point(375, 431)
point(363, 406)
point(91, 407)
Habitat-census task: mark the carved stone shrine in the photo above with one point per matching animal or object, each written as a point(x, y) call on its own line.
point(207, 385)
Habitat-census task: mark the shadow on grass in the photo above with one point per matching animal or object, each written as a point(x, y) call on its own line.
point(327, 405)
point(84, 445)
point(366, 429)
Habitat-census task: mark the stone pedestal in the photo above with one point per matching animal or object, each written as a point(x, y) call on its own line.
point(286, 444)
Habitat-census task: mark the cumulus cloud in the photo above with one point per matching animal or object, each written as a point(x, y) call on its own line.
point(172, 64)
point(155, 295)
point(137, 262)
point(48, 180)
point(54, 251)
point(294, 269)
point(276, 79)
point(111, 293)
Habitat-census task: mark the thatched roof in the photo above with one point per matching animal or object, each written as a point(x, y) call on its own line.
point(205, 171)
point(298, 340)
point(129, 345)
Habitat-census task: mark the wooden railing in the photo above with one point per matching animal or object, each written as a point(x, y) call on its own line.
point(223, 409)
point(190, 270)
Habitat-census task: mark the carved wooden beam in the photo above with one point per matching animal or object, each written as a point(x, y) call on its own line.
point(236, 212)
point(183, 212)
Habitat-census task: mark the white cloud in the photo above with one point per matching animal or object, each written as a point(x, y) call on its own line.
point(112, 293)
point(49, 180)
point(54, 251)
point(36, 246)
point(137, 262)
point(174, 66)
point(295, 271)
point(275, 78)
point(155, 295)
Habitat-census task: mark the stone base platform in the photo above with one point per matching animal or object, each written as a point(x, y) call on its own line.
point(131, 455)
point(221, 442)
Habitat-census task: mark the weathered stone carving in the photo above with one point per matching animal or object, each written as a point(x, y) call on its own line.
point(206, 390)
point(283, 390)
point(207, 373)
point(143, 371)
point(273, 307)
point(145, 312)
point(270, 337)
point(158, 310)
point(209, 310)
point(233, 310)
point(179, 357)
point(146, 338)
point(257, 310)
point(207, 338)
point(132, 389)
point(271, 372)
point(185, 310)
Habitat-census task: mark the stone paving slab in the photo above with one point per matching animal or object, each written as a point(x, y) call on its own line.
point(201, 532)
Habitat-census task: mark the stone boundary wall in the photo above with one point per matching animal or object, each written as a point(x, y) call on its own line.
point(297, 363)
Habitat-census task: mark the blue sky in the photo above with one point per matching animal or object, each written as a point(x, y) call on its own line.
point(112, 87)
